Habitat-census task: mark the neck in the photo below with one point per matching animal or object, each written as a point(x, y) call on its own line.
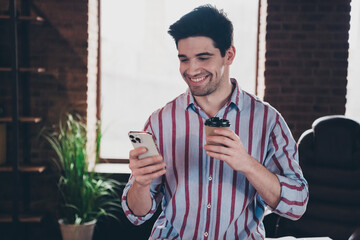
point(212, 103)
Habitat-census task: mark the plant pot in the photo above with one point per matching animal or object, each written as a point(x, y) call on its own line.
point(77, 231)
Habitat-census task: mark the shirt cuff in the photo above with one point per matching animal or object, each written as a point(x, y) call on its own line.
point(293, 198)
point(134, 219)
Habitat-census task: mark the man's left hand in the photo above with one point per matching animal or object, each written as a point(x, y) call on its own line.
point(231, 150)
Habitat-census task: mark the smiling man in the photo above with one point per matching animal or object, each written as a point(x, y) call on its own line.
point(214, 191)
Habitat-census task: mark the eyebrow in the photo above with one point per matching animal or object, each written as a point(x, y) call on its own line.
point(197, 55)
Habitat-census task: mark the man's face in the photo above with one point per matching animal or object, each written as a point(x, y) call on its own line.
point(201, 65)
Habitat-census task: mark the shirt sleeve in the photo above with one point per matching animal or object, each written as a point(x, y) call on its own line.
point(156, 196)
point(282, 160)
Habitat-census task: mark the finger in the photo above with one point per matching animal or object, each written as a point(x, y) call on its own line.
point(218, 149)
point(226, 132)
point(218, 156)
point(147, 179)
point(150, 169)
point(223, 140)
point(149, 161)
point(135, 164)
point(149, 173)
point(136, 152)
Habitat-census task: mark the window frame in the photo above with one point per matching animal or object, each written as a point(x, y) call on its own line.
point(99, 103)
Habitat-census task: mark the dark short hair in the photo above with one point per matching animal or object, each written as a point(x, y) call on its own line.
point(205, 21)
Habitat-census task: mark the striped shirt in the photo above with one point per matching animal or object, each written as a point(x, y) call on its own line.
point(202, 197)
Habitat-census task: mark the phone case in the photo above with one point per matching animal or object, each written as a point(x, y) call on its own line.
point(144, 139)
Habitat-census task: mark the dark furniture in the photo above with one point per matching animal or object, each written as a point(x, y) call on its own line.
point(329, 155)
point(355, 235)
point(17, 171)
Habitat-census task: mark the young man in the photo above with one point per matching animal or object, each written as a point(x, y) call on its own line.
point(214, 191)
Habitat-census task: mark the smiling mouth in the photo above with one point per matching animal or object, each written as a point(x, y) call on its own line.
point(198, 79)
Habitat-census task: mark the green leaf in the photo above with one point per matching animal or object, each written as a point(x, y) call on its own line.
point(85, 195)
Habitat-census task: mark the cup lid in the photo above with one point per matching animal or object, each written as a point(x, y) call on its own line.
point(217, 122)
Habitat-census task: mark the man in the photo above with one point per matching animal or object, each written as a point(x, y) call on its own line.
point(214, 191)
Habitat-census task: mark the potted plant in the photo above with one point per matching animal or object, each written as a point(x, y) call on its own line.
point(85, 195)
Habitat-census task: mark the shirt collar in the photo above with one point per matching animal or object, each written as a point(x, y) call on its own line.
point(236, 97)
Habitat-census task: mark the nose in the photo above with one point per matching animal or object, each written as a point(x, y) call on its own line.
point(193, 68)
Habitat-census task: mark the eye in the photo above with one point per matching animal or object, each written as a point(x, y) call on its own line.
point(184, 60)
point(203, 58)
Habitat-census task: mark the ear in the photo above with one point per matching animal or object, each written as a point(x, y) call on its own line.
point(230, 55)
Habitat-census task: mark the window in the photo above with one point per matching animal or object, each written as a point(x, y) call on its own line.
point(139, 64)
point(353, 86)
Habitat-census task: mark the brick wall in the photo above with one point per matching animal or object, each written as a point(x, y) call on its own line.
point(60, 46)
point(306, 59)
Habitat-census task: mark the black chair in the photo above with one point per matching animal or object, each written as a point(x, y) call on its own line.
point(329, 155)
point(355, 235)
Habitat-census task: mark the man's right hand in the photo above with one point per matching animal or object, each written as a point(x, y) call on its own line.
point(146, 169)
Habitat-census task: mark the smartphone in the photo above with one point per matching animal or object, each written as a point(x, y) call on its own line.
point(144, 139)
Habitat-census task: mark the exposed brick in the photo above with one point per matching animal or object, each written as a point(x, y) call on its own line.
point(276, 26)
point(290, 7)
point(277, 36)
point(318, 72)
point(313, 59)
point(288, 90)
point(299, 36)
point(312, 64)
point(308, 27)
point(292, 63)
point(290, 27)
point(298, 81)
point(339, 73)
point(308, 8)
point(341, 55)
point(272, 63)
point(325, 7)
point(345, 7)
point(322, 54)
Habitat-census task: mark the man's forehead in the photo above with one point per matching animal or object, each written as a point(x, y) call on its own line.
point(196, 45)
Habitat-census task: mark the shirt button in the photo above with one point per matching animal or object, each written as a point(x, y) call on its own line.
point(206, 234)
point(210, 178)
point(209, 205)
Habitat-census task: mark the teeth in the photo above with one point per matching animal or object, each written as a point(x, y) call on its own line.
point(197, 79)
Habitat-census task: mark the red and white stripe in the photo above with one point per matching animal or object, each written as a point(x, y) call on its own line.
point(202, 197)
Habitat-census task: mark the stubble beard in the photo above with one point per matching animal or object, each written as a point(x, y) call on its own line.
point(201, 91)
